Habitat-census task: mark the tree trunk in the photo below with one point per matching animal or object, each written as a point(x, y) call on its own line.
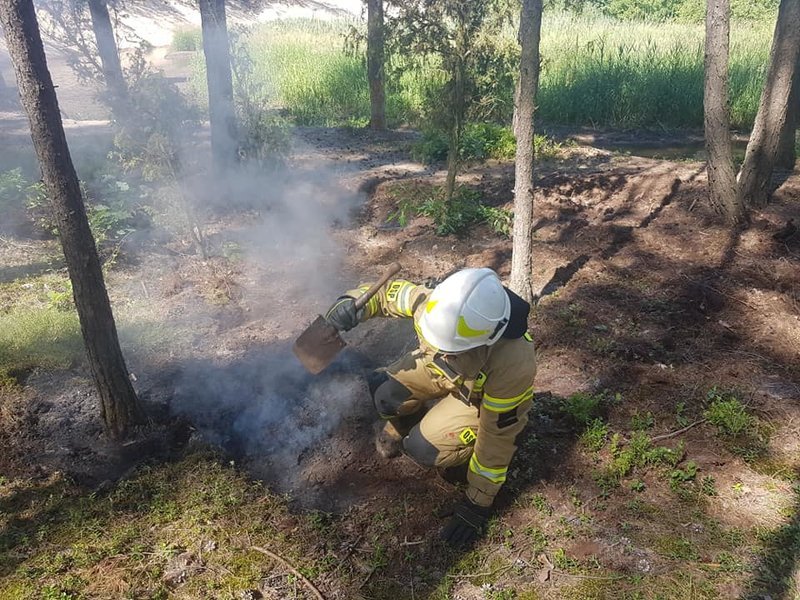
point(530, 24)
point(458, 107)
point(120, 407)
point(216, 47)
point(787, 146)
point(762, 150)
point(375, 69)
point(109, 55)
point(721, 175)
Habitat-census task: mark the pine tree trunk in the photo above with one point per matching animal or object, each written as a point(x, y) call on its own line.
point(216, 47)
point(120, 407)
point(721, 175)
point(530, 23)
point(787, 146)
point(762, 150)
point(375, 64)
point(109, 55)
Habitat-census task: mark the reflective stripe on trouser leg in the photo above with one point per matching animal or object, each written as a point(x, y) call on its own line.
point(437, 441)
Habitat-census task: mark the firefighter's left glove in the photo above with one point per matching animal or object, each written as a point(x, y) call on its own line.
point(343, 314)
point(466, 524)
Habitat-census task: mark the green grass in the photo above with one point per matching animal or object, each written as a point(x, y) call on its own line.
point(187, 39)
point(38, 327)
point(600, 71)
point(119, 544)
point(595, 71)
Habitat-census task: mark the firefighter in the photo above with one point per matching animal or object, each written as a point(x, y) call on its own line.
point(475, 365)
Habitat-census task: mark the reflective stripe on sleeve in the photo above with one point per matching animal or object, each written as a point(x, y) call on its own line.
point(373, 307)
point(505, 404)
point(404, 299)
point(496, 476)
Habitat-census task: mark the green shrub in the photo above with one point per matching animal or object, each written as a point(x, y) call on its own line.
point(677, 477)
point(582, 406)
point(641, 422)
point(595, 435)
point(111, 204)
point(499, 220)
point(187, 39)
point(456, 217)
point(640, 452)
point(727, 413)
point(13, 190)
point(479, 142)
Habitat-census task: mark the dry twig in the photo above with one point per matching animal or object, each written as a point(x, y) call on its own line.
point(666, 436)
point(289, 566)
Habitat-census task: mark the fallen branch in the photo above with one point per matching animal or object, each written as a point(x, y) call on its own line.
point(288, 565)
point(666, 436)
point(597, 577)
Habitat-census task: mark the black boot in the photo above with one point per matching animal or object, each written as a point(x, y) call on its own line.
point(456, 475)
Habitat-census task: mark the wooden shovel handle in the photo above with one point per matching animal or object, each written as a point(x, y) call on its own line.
point(362, 300)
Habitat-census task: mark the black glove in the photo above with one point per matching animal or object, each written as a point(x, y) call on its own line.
point(466, 524)
point(343, 314)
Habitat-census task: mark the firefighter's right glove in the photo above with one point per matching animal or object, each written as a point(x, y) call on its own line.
point(343, 314)
point(466, 524)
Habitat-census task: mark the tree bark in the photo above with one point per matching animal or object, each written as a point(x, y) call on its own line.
point(721, 174)
point(216, 47)
point(109, 55)
point(119, 405)
point(375, 64)
point(530, 24)
point(458, 103)
point(787, 146)
point(762, 150)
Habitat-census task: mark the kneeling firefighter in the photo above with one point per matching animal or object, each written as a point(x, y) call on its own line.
point(477, 360)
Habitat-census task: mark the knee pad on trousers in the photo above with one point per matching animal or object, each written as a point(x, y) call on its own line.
point(388, 397)
point(375, 379)
point(420, 449)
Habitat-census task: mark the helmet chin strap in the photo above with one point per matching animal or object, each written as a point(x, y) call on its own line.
point(500, 325)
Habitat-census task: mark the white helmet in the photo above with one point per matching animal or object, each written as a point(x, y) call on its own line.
point(468, 309)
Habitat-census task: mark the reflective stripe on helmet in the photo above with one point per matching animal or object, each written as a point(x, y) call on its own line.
point(497, 476)
point(505, 404)
point(464, 330)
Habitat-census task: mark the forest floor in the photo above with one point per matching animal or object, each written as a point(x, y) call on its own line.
point(651, 312)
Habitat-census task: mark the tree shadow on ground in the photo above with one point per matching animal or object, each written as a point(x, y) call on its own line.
point(776, 573)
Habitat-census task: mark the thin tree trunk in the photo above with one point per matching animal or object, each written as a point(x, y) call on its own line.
point(109, 55)
point(216, 47)
point(458, 108)
point(721, 175)
point(375, 66)
point(120, 407)
point(530, 24)
point(787, 146)
point(762, 150)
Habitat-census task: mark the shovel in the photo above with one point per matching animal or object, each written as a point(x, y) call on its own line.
point(319, 344)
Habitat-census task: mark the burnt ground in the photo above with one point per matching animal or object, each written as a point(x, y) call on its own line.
point(647, 299)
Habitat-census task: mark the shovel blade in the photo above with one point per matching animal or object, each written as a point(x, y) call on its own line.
point(318, 345)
